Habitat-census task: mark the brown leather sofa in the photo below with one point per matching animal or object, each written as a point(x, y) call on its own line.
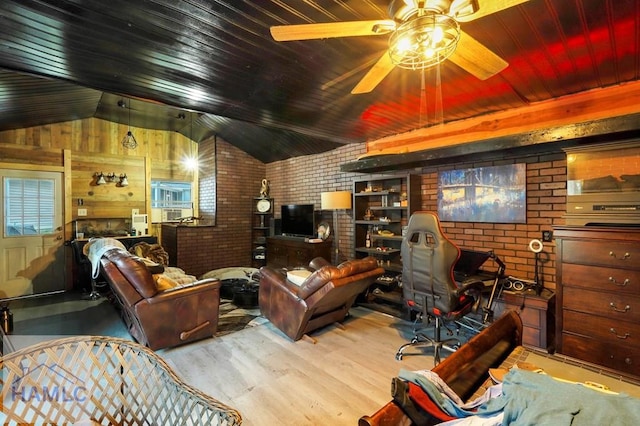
point(323, 298)
point(160, 319)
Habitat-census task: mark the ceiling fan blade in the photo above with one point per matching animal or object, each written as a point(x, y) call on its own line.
point(375, 75)
point(487, 7)
point(477, 59)
point(332, 29)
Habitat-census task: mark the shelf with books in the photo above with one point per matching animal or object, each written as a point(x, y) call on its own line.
point(382, 206)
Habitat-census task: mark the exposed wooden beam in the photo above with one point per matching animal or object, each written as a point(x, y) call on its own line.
point(606, 130)
point(590, 114)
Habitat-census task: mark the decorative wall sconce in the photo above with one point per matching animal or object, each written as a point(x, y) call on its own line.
point(100, 180)
point(103, 179)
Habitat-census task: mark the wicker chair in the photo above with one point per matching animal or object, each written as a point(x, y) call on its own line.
point(101, 380)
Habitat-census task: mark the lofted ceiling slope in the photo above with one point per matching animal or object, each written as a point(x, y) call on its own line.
point(215, 63)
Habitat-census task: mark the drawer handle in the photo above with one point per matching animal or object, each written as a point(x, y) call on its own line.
point(618, 283)
point(615, 333)
point(613, 306)
point(625, 256)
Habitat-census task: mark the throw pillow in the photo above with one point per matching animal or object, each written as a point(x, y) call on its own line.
point(298, 276)
point(164, 282)
point(179, 275)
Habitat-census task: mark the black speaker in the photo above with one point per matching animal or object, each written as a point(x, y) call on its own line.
point(275, 226)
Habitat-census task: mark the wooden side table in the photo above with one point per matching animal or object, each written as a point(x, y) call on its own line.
point(537, 313)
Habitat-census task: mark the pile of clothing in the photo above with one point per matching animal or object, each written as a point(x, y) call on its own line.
point(524, 397)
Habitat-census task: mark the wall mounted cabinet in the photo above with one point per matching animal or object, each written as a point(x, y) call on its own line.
point(381, 210)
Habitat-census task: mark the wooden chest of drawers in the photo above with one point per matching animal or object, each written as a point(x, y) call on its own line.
point(598, 296)
point(284, 252)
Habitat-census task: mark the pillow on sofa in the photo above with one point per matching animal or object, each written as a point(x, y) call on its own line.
point(173, 278)
point(164, 282)
point(179, 275)
point(298, 276)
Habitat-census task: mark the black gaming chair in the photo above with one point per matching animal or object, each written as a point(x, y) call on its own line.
point(429, 287)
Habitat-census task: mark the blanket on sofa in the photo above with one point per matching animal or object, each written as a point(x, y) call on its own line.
point(154, 252)
point(94, 250)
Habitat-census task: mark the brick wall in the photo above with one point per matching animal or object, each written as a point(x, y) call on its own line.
point(228, 191)
point(302, 179)
point(546, 204)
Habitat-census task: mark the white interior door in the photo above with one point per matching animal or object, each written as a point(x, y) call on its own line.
point(32, 240)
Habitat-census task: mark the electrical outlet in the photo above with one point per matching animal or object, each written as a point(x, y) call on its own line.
point(547, 236)
point(82, 212)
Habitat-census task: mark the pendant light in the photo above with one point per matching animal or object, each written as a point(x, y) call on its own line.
point(129, 141)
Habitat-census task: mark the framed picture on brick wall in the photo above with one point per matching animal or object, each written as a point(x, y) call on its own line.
point(495, 194)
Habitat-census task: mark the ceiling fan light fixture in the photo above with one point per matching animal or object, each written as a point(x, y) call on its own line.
point(424, 41)
point(437, 35)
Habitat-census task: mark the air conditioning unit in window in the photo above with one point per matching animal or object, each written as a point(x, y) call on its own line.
point(169, 214)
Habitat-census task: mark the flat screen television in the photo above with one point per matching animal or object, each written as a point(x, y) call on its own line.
point(297, 220)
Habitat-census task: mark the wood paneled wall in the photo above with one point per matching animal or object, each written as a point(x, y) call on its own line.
point(93, 135)
point(81, 148)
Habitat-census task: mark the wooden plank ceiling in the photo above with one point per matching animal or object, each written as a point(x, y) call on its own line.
point(205, 67)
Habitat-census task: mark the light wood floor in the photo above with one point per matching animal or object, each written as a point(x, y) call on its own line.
point(268, 378)
point(259, 371)
point(274, 381)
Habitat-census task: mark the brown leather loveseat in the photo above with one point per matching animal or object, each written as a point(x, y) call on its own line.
point(324, 297)
point(160, 318)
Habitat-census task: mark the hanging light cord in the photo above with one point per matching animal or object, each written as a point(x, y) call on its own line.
point(129, 141)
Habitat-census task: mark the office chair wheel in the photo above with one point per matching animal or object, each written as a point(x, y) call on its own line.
point(398, 357)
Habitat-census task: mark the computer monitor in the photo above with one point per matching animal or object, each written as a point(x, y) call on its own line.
point(470, 261)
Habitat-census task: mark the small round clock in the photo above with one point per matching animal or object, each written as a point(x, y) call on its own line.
point(263, 205)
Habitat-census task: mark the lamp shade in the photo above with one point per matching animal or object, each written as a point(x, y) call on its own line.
point(101, 180)
point(335, 200)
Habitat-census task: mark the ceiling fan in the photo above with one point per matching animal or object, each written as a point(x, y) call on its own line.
point(423, 33)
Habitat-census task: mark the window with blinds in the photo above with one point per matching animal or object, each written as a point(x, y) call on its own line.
point(29, 206)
